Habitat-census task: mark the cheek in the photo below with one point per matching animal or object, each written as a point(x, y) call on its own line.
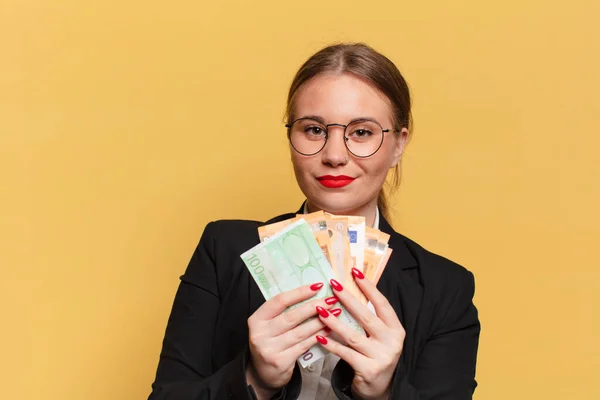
point(377, 168)
point(302, 166)
point(296, 162)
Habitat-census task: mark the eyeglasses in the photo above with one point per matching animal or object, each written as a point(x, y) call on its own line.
point(362, 137)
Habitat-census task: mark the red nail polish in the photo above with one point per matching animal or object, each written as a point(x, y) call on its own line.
point(331, 300)
point(322, 312)
point(357, 274)
point(321, 339)
point(336, 311)
point(327, 329)
point(336, 285)
point(316, 286)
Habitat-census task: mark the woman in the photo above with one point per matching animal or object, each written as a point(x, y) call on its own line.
point(348, 123)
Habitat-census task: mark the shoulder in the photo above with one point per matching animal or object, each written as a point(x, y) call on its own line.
point(234, 236)
point(217, 255)
point(238, 228)
point(448, 287)
point(443, 280)
point(436, 267)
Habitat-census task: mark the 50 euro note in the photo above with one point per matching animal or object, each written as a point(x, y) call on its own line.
point(289, 259)
point(343, 246)
point(376, 245)
point(266, 231)
point(318, 224)
point(337, 228)
point(382, 264)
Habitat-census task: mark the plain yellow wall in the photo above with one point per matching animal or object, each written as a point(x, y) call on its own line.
point(125, 126)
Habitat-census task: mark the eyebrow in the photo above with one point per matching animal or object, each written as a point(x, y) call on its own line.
point(322, 120)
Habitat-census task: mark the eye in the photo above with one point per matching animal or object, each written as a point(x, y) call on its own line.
point(314, 130)
point(361, 133)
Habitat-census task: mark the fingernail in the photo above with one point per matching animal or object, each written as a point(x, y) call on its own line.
point(327, 329)
point(316, 286)
point(331, 300)
point(322, 312)
point(357, 274)
point(336, 311)
point(336, 285)
point(321, 339)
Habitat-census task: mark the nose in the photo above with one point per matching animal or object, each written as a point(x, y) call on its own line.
point(335, 152)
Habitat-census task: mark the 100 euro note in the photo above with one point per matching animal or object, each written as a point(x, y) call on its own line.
point(289, 259)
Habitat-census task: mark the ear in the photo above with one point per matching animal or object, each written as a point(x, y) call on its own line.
point(399, 145)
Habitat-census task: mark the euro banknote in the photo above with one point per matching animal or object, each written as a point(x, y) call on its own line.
point(289, 259)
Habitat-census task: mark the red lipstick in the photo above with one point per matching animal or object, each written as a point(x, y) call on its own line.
point(335, 182)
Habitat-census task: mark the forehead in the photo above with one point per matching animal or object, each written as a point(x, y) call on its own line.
point(340, 98)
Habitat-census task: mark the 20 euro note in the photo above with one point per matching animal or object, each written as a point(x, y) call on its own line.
point(289, 259)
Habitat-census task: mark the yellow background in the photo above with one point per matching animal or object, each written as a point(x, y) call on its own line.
point(125, 126)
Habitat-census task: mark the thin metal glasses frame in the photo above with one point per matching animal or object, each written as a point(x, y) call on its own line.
point(326, 126)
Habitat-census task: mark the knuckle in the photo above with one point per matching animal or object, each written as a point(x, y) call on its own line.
point(298, 335)
point(397, 346)
point(396, 340)
point(254, 337)
point(279, 299)
point(381, 302)
point(276, 364)
point(263, 354)
point(389, 357)
point(289, 317)
point(354, 339)
point(401, 334)
point(369, 376)
point(304, 347)
point(368, 319)
point(360, 379)
point(253, 340)
point(308, 343)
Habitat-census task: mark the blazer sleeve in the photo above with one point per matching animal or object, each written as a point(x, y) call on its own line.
point(185, 369)
point(445, 369)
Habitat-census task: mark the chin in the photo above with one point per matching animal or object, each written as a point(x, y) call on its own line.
point(335, 203)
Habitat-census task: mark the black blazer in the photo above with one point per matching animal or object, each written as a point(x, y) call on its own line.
point(205, 349)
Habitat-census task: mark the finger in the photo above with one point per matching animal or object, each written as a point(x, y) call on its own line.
point(356, 340)
point(300, 333)
point(302, 348)
point(351, 356)
point(276, 305)
point(294, 317)
point(369, 321)
point(382, 306)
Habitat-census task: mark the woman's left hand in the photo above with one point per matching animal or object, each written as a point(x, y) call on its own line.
point(373, 357)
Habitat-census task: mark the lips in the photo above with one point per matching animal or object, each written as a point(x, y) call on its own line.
point(335, 182)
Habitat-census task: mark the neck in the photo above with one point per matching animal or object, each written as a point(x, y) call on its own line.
point(367, 210)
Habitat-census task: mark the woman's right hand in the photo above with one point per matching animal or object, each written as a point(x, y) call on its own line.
point(278, 338)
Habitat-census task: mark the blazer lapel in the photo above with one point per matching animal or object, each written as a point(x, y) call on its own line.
point(402, 290)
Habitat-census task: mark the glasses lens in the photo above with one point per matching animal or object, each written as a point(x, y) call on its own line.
point(308, 136)
point(364, 138)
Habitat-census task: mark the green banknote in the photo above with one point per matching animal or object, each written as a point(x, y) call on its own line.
point(290, 259)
